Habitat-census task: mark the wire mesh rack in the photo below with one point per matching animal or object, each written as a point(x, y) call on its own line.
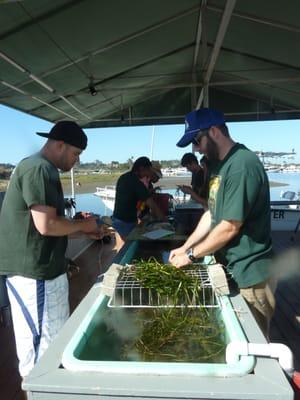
point(130, 293)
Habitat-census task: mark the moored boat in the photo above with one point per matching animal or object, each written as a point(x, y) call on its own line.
point(285, 214)
point(107, 195)
point(284, 219)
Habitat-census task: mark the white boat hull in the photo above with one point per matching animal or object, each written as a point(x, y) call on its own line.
point(107, 195)
point(284, 219)
point(109, 204)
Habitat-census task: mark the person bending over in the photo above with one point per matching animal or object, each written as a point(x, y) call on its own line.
point(129, 191)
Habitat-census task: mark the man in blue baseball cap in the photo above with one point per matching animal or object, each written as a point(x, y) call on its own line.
point(199, 121)
point(236, 228)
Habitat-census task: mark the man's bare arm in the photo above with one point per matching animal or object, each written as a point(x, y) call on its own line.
point(48, 223)
point(202, 229)
point(200, 232)
point(218, 237)
point(222, 234)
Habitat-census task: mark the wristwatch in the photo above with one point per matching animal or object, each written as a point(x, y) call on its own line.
point(190, 254)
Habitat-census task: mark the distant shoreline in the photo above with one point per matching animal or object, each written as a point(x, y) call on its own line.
point(169, 182)
point(88, 183)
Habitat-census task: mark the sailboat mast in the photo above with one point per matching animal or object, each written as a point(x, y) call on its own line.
point(152, 142)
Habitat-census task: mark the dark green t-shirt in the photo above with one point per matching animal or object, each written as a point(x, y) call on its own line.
point(129, 191)
point(24, 251)
point(239, 190)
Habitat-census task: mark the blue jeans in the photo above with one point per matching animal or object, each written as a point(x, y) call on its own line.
point(122, 227)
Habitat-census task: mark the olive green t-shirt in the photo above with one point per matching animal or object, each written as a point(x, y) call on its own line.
point(239, 190)
point(24, 251)
point(129, 191)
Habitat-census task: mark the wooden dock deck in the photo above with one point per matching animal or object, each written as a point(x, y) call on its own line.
point(285, 326)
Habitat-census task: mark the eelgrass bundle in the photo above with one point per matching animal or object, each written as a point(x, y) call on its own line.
point(167, 283)
point(177, 335)
point(173, 334)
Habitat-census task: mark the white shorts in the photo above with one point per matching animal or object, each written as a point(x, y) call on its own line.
point(39, 310)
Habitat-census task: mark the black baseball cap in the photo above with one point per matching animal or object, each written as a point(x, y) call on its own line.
point(69, 132)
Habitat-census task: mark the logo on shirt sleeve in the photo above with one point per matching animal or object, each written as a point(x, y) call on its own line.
point(214, 185)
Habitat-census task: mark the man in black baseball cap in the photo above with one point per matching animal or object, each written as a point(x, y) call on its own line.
point(68, 132)
point(33, 241)
point(65, 143)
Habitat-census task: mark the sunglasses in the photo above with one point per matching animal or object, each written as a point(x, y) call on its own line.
point(200, 134)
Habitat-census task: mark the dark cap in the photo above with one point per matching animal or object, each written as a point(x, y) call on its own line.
point(198, 120)
point(69, 132)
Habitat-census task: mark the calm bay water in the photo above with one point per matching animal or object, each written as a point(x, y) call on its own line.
point(92, 203)
point(291, 179)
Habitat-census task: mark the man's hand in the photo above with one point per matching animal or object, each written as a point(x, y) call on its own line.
point(180, 260)
point(101, 233)
point(89, 225)
point(48, 223)
point(105, 230)
point(175, 253)
point(99, 230)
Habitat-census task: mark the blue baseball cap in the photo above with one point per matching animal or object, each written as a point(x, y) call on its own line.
point(198, 120)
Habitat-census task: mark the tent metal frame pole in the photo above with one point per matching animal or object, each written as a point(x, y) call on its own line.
point(39, 82)
point(200, 84)
point(122, 41)
point(263, 21)
point(217, 46)
point(196, 53)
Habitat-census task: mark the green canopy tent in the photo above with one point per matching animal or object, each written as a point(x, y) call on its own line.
point(138, 62)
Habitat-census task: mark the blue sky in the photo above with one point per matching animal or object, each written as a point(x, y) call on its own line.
point(118, 144)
